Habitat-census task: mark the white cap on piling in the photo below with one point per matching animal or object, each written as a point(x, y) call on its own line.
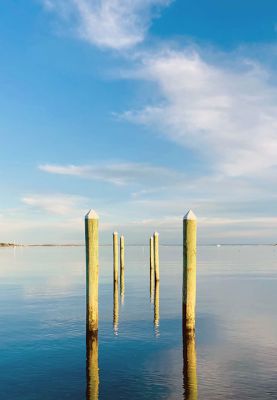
point(92, 215)
point(155, 234)
point(190, 215)
point(115, 233)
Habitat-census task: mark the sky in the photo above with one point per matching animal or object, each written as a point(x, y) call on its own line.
point(140, 110)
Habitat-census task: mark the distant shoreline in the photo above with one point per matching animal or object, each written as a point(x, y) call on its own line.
point(40, 245)
point(13, 245)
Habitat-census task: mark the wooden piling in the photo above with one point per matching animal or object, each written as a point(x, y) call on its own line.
point(156, 256)
point(91, 234)
point(115, 257)
point(189, 271)
point(152, 273)
point(122, 266)
point(151, 247)
point(92, 369)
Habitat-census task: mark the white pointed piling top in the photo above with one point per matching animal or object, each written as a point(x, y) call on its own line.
point(92, 215)
point(155, 234)
point(190, 215)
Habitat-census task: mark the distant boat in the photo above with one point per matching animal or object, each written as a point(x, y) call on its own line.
point(218, 245)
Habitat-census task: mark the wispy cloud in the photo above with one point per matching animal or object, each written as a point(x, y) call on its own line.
point(221, 107)
point(228, 114)
point(48, 227)
point(57, 204)
point(115, 24)
point(120, 173)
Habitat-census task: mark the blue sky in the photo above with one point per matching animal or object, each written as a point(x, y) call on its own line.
point(141, 110)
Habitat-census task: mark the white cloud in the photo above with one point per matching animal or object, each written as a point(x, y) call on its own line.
point(232, 209)
point(228, 115)
point(119, 173)
point(72, 170)
point(116, 24)
point(55, 204)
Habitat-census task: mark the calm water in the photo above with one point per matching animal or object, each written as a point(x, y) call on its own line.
point(42, 327)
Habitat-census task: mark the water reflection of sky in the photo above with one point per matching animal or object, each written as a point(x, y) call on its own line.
point(42, 329)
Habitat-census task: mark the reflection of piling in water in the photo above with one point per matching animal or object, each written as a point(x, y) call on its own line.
point(156, 256)
point(91, 232)
point(115, 257)
point(189, 271)
point(152, 277)
point(189, 366)
point(157, 306)
point(115, 307)
point(92, 367)
point(122, 267)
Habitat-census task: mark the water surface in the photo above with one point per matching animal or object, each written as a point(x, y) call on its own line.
point(140, 351)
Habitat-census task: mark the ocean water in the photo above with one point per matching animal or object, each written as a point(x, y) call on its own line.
point(140, 352)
